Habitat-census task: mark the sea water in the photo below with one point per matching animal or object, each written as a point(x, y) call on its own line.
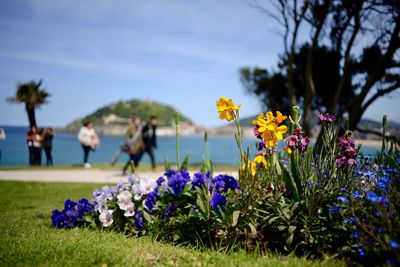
point(68, 151)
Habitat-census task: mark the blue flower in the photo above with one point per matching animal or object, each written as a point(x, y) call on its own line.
point(169, 211)
point(177, 181)
point(373, 197)
point(352, 220)
point(69, 204)
point(356, 195)
point(334, 209)
point(343, 199)
point(84, 206)
point(356, 234)
point(223, 182)
point(361, 252)
point(169, 173)
point(218, 201)
point(198, 180)
point(58, 219)
point(394, 245)
point(160, 180)
point(151, 201)
point(138, 220)
point(383, 183)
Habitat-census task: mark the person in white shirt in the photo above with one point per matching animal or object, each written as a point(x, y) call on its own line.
point(89, 140)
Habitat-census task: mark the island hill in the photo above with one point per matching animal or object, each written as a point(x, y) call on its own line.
point(113, 119)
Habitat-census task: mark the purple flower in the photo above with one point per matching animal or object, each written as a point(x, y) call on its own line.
point(58, 219)
point(177, 181)
point(138, 220)
point(169, 211)
point(347, 154)
point(84, 206)
point(223, 182)
point(199, 179)
point(69, 204)
point(151, 201)
point(256, 132)
point(218, 201)
point(297, 141)
point(326, 117)
point(160, 180)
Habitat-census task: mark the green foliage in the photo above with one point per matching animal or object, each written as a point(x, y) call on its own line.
point(127, 109)
point(28, 239)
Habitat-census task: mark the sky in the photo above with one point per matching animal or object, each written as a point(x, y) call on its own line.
point(95, 52)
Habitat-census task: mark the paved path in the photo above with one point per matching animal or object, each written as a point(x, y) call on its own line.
point(74, 176)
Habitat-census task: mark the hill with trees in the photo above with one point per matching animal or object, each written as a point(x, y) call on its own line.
point(121, 112)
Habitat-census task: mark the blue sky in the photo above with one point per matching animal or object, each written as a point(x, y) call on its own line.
point(94, 52)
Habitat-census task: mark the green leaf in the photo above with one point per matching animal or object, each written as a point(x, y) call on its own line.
point(292, 228)
point(235, 217)
point(185, 162)
point(289, 239)
point(200, 204)
point(288, 180)
point(147, 216)
point(167, 164)
point(253, 230)
point(296, 174)
point(282, 227)
point(272, 219)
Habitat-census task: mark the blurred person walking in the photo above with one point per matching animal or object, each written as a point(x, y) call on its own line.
point(48, 145)
point(2, 137)
point(30, 136)
point(134, 142)
point(150, 141)
point(37, 147)
point(89, 141)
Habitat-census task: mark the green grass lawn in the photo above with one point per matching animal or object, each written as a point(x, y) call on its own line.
point(27, 237)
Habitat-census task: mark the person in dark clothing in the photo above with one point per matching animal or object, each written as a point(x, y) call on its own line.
point(48, 145)
point(134, 143)
point(37, 147)
point(150, 141)
point(30, 136)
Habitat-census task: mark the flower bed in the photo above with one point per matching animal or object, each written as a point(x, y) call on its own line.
point(313, 201)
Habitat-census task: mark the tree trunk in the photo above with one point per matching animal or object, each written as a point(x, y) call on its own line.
point(30, 110)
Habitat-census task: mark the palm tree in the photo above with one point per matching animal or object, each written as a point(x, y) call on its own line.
point(33, 96)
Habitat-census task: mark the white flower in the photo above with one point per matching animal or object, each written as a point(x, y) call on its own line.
point(101, 205)
point(133, 179)
point(147, 185)
point(130, 211)
point(125, 200)
point(106, 218)
point(137, 193)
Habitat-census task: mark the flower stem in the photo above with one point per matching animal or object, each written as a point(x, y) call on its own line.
point(178, 157)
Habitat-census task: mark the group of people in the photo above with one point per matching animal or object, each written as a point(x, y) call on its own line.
point(139, 139)
point(39, 139)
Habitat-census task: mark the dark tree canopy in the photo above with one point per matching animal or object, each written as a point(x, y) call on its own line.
point(32, 96)
point(350, 60)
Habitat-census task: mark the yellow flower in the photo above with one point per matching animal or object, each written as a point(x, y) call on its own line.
point(269, 128)
point(226, 108)
point(279, 118)
point(265, 123)
point(258, 162)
